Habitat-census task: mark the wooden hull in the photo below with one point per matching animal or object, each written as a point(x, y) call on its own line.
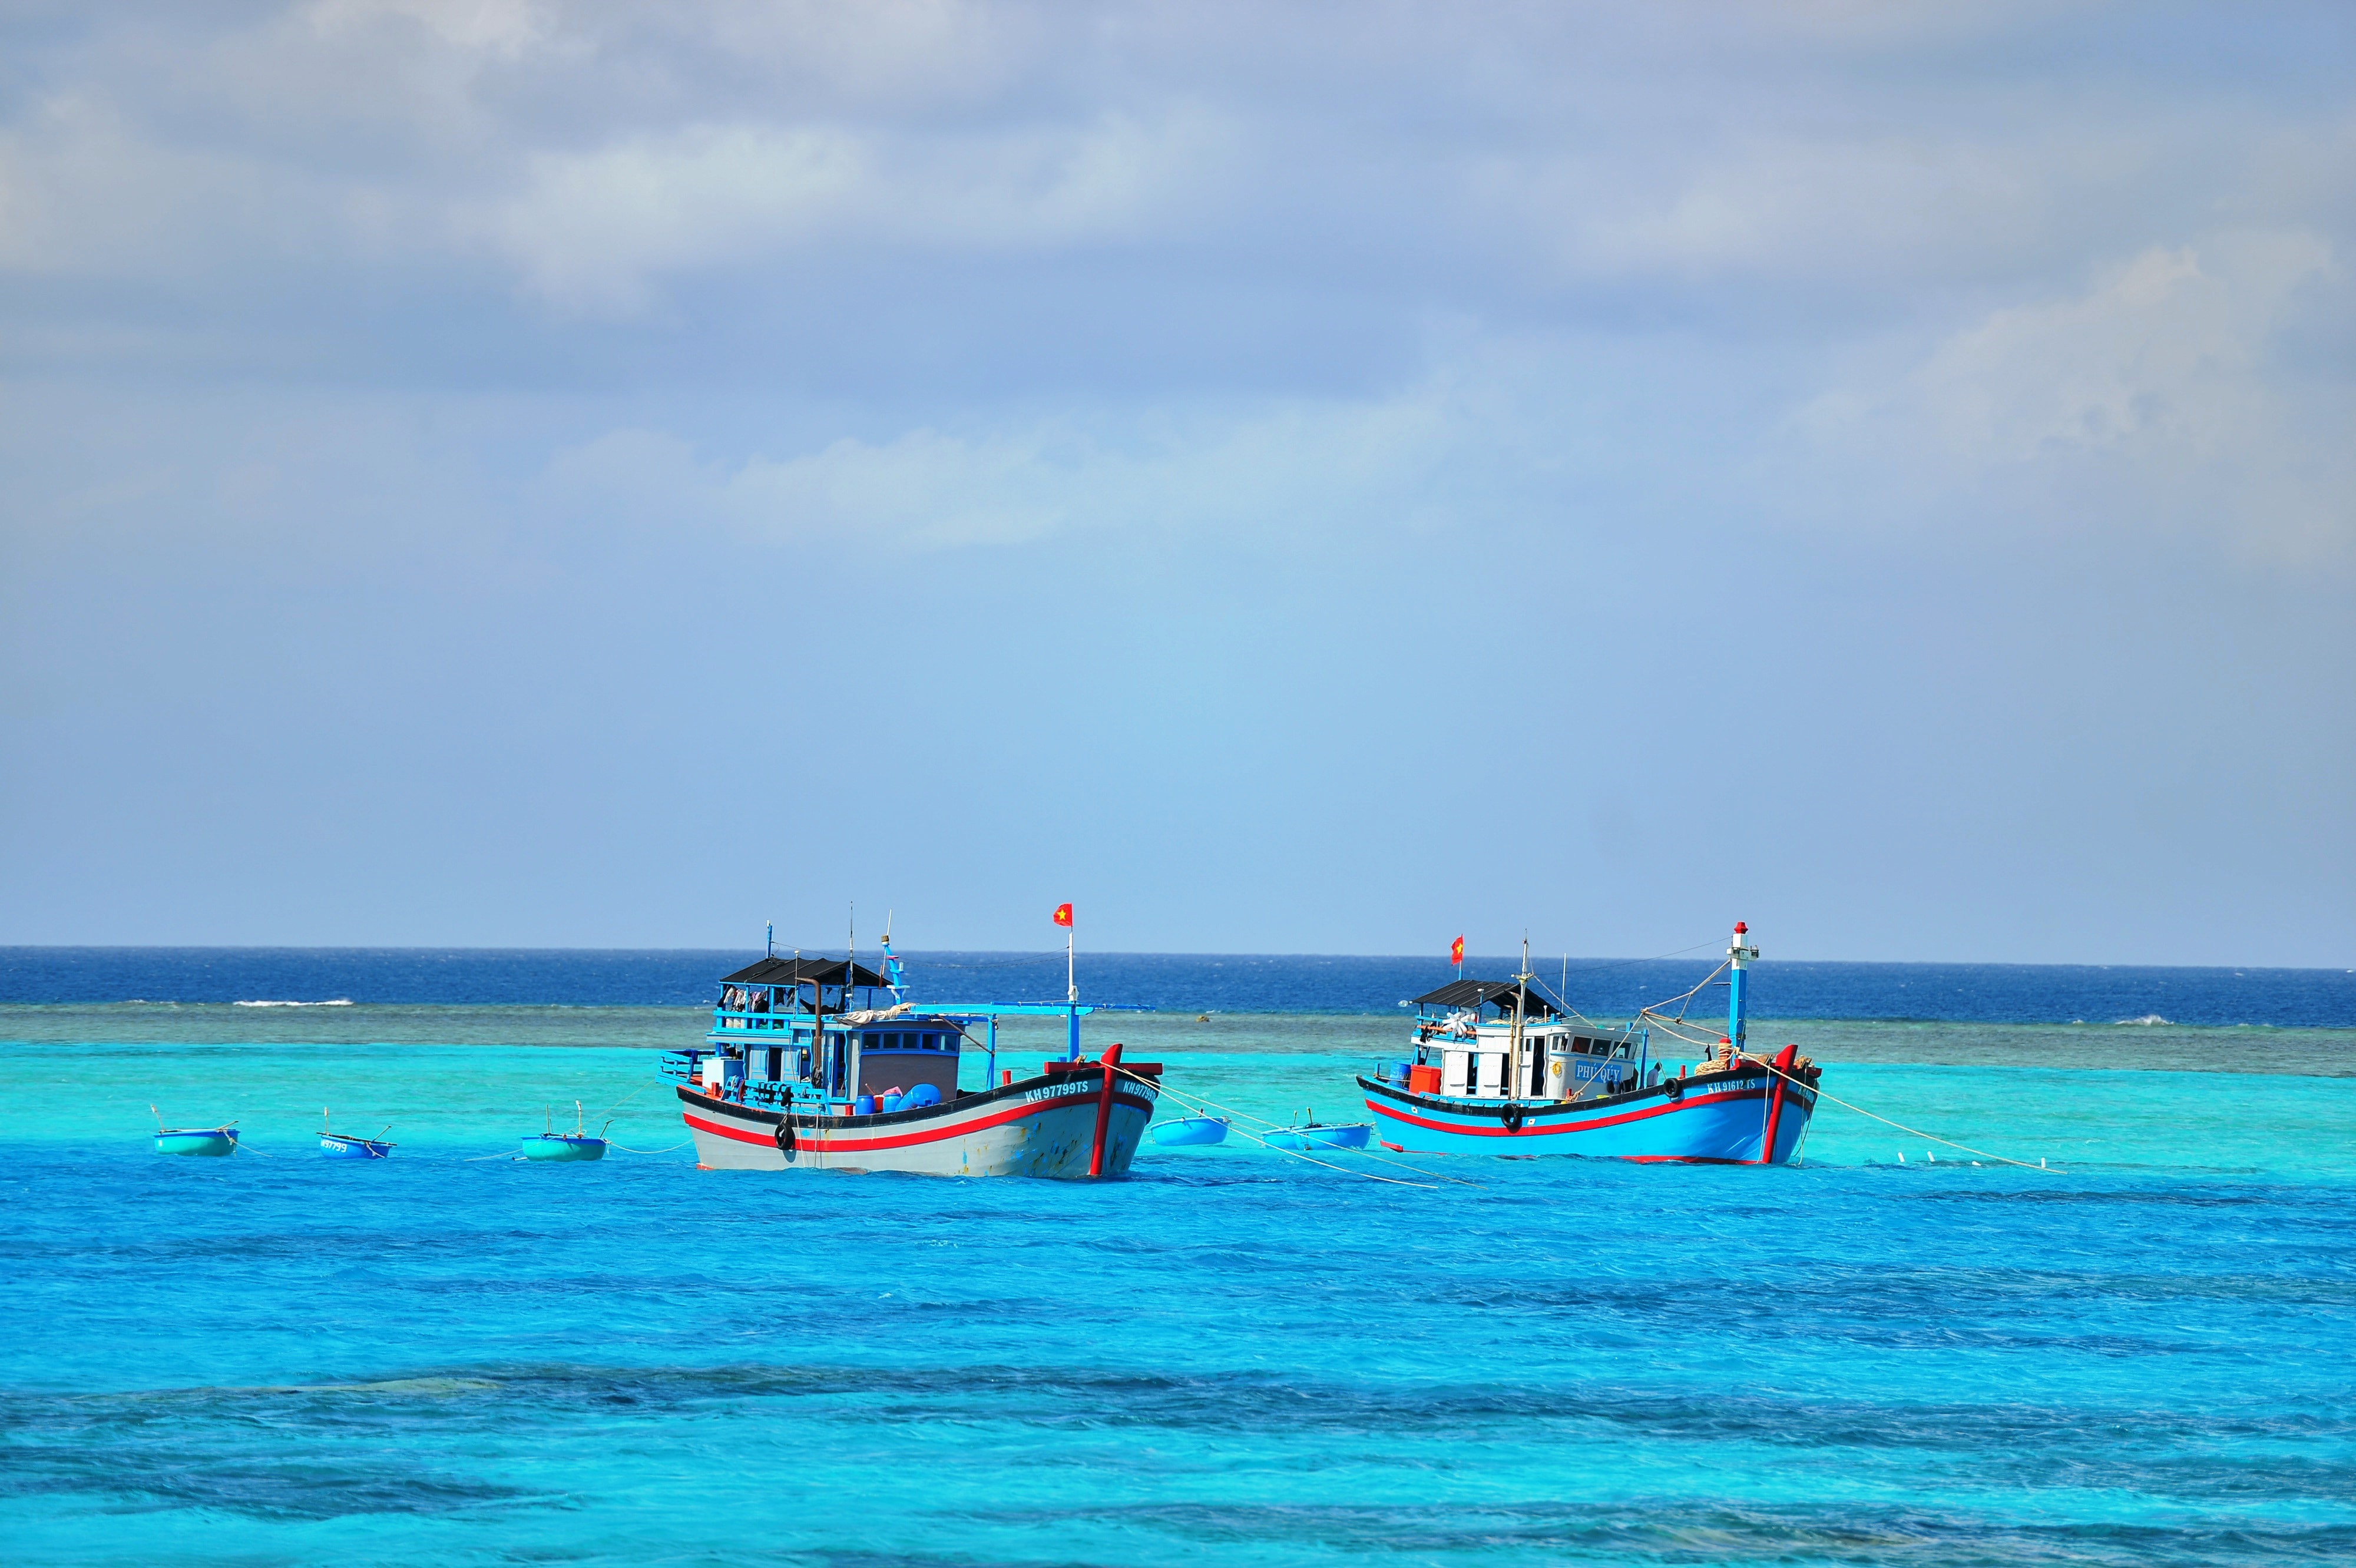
point(215, 1141)
point(1045, 1126)
point(1717, 1117)
point(562, 1147)
point(1302, 1140)
point(1195, 1132)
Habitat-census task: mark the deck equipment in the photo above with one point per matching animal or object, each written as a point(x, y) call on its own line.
point(1500, 1067)
point(823, 1064)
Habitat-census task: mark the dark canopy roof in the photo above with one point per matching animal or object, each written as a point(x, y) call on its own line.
point(1472, 993)
point(774, 971)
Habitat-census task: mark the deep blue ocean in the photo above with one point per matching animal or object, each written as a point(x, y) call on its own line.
point(1219, 982)
point(2135, 1355)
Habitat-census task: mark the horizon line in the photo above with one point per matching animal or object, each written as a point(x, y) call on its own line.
point(1044, 955)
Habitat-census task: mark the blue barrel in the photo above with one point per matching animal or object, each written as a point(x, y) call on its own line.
point(864, 1106)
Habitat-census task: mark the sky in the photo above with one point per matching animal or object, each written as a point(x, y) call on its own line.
point(1313, 479)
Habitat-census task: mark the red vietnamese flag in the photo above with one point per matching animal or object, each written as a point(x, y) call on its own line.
point(1063, 913)
point(1455, 948)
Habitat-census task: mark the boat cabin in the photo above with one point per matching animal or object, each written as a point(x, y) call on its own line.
point(1491, 1039)
point(821, 1033)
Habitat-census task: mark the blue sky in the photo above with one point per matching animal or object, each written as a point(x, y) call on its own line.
point(1285, 479)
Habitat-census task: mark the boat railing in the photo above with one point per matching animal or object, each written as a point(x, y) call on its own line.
point(735, 1018)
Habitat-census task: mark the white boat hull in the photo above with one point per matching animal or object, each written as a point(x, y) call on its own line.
point(1046, 1126)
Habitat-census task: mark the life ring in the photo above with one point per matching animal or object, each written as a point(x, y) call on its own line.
point(1513, 1118)
point(785, 1135)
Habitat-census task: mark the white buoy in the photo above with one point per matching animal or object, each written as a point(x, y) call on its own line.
point(1901, 1156)
point(1935, 1157)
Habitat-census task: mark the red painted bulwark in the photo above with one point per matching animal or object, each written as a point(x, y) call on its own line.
point(1534, 1128)
point(815, 1132)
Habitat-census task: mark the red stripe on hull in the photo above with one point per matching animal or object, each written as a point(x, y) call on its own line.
point(836, 1143)
point(1533, 1127)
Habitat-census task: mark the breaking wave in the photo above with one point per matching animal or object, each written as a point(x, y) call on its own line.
point(2147, 1018)
point(339, 1002)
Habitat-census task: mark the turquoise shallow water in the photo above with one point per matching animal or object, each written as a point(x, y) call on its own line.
point(2137, 1356)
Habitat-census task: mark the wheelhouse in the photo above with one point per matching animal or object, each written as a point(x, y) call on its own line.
point(795, 1031)
point(1490, 1039)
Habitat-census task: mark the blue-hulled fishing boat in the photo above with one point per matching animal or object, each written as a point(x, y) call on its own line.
point(814, 1065)
point(577, 1144)
point(1500, 1067)
point(335, 1146)
point(213, 1141)
point(1190, 1132)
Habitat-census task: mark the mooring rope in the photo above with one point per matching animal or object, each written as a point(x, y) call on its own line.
point(1197, 1102)
point(609, 1110)
point(673, 1149)
point(1915, 1131)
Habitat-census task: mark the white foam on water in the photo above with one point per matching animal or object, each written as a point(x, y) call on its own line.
point(339, 1002)
point(2147, 1018)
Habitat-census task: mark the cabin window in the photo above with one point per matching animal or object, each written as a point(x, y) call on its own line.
point(776, 1063)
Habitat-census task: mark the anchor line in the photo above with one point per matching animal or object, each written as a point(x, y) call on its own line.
point(1665, 1026)
point(1654, 1016)
point(1563, 1000)
point(609, 1110)
point(1915, 1131)
point(1197, 1104)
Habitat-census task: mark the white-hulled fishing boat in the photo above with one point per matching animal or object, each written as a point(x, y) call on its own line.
point(818, 1065)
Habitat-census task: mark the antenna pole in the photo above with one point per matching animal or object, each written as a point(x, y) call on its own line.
point(1740, 954)
point(1521, 1011)
point(1072, 989)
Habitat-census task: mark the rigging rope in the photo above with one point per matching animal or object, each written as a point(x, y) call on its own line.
point(1886, 1122)
point(1197, 1102)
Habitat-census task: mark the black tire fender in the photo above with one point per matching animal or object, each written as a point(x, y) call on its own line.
point(786, 1135)
point(1513, 1118)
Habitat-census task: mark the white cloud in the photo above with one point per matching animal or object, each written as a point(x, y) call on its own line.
point(594, 231)
point(1287, 475)
point(499, 27)
point(2164, 379)
point(2166, 351)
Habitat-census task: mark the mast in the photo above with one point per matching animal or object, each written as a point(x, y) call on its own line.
point(850, 968)
point(1521, 1009)
point(1072, 991)
point(1740, 954)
